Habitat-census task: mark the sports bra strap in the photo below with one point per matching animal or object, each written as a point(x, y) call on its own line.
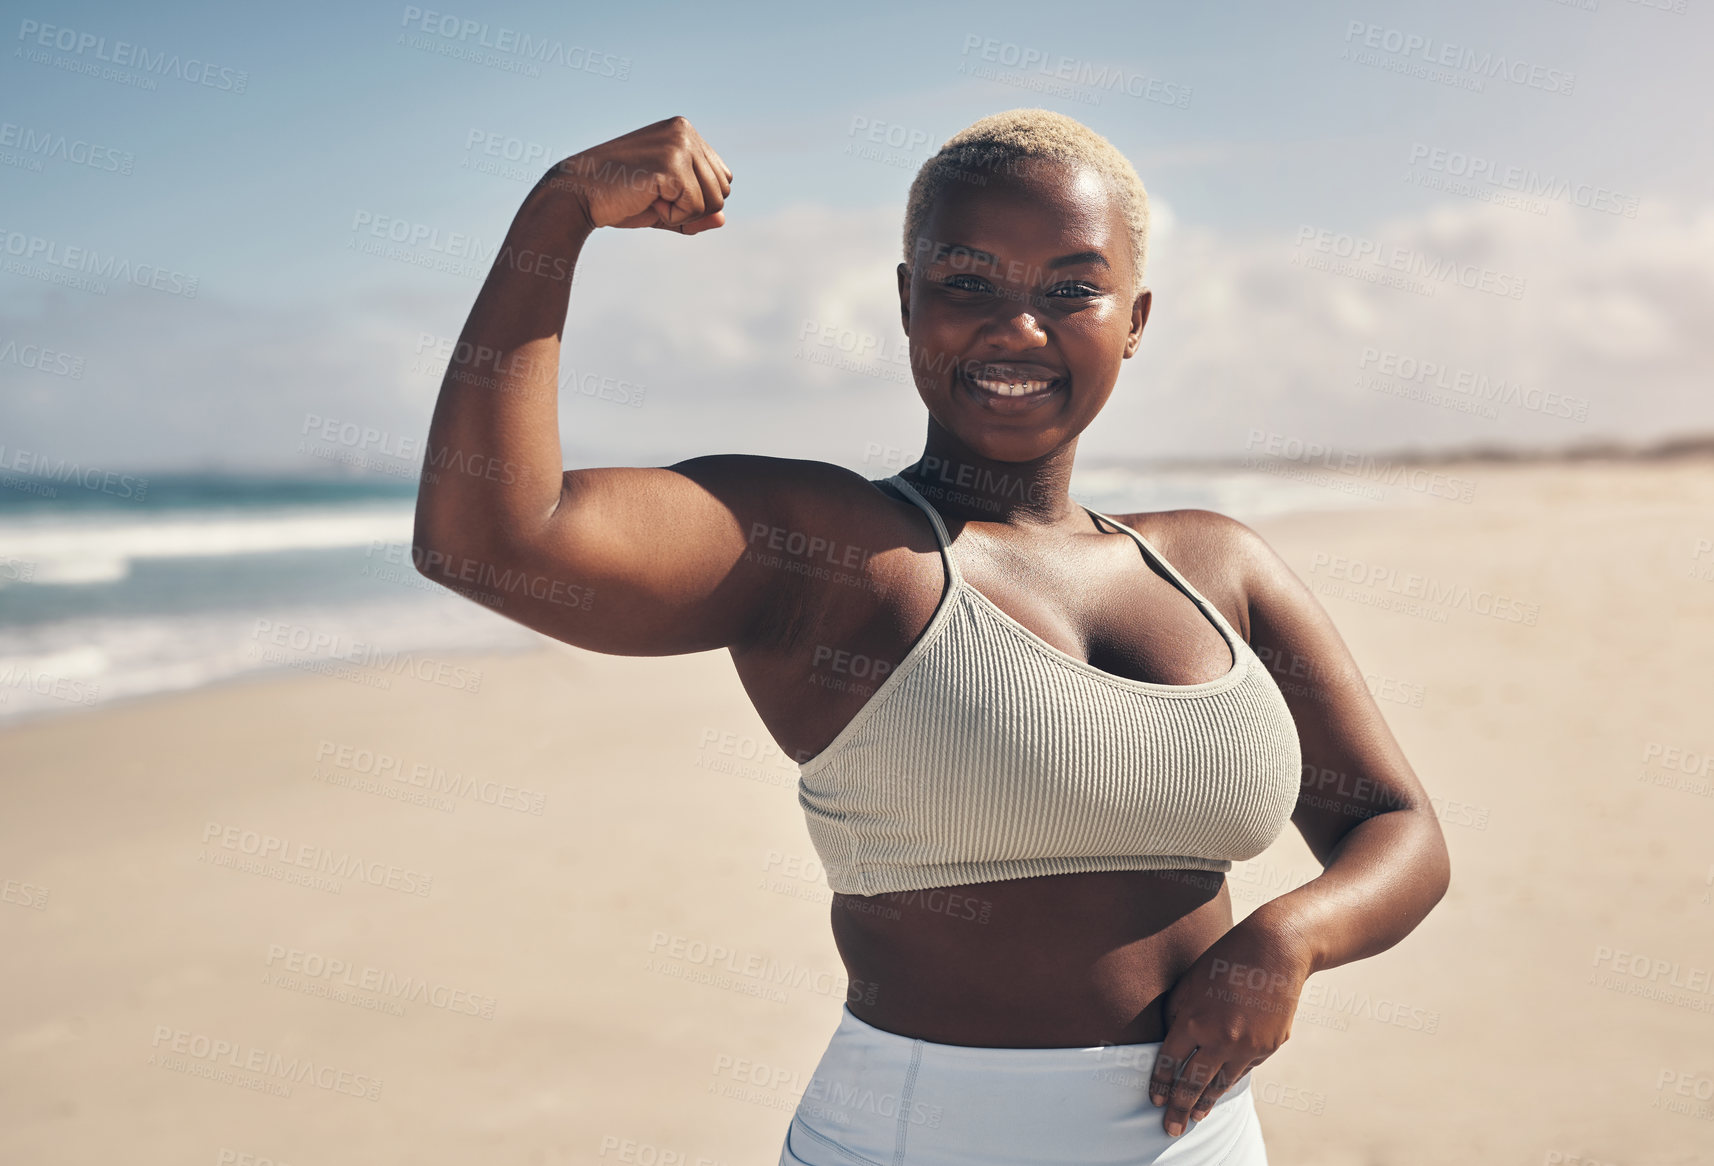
point(1213, 612)
point(954, 576)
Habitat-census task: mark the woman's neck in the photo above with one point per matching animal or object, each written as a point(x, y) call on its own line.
point(965, 486)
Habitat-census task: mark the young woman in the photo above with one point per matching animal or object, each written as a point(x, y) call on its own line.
point(1077, 725)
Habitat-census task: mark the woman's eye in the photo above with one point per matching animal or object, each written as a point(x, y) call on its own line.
point(967, 283)
point(1076, 289)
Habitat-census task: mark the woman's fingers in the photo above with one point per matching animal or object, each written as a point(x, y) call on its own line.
point(1195, 1075)
point(713, 183)
point(720, 166)
point(1189, 1079)
point(1174, 1051)
point(710, 190)
point(1217, 1087)
point(662, 175)
point(1197, 1085)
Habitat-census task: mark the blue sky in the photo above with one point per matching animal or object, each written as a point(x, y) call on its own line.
point(1262, 142)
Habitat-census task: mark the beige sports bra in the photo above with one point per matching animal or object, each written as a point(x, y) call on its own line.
point(990, 754)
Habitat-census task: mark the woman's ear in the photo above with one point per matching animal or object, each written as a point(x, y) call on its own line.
point(905, 296)
point(1139, 317)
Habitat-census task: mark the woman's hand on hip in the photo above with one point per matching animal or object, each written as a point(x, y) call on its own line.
point(1228, 1013)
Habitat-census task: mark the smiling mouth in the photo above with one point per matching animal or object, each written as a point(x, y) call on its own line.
point(1007, 389)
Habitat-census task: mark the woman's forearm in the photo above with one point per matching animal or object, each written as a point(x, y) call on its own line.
point(492, 466)
point(1381, 880)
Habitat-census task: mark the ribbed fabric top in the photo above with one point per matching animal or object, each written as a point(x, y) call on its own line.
point(990, 754)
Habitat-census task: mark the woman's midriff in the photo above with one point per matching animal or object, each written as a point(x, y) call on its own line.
point(1058, 961)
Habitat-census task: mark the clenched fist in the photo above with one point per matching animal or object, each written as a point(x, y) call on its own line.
point(663, 175)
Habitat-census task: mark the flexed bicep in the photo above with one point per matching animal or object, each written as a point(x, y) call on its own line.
point(643, 561)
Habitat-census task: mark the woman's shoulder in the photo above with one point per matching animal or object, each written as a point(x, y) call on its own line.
point(1195, 535)
point(1223, 558)
point(802, 485)
point(800, 504)
point(1233, 557)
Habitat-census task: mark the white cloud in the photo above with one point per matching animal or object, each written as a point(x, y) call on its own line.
point(1240, 338)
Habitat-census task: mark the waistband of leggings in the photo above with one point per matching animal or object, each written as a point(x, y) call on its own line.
point(1071, 1057)
point(1128, 1060)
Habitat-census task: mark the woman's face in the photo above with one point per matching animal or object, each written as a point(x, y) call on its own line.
point(1019, 308)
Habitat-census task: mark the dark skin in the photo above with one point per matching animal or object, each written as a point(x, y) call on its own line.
point(1025, 277)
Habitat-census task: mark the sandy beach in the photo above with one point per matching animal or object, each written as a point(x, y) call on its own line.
point(566, 911)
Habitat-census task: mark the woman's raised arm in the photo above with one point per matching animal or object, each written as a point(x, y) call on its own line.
point(633, 561)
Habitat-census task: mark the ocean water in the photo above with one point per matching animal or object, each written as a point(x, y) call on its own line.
point(127, 589)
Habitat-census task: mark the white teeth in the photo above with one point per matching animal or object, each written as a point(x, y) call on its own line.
point(1011, 388)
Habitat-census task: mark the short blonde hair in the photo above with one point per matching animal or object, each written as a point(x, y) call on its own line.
point(1001, 141)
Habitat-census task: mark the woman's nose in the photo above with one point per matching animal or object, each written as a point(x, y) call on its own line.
point(1016, 322)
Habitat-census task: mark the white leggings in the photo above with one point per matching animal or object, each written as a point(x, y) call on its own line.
point(881, 1099)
